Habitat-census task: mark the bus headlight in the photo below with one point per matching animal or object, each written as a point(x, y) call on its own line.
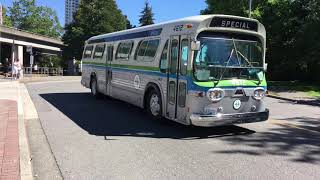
point(215, 95)
point(259, 93)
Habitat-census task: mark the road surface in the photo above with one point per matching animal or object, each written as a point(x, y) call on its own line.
point(110, 139)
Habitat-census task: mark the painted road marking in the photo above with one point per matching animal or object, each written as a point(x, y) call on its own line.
point(288, 124)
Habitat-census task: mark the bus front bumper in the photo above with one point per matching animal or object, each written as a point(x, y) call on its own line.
point(228, 119)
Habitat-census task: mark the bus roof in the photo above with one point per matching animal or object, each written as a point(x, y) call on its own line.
point(196, 20)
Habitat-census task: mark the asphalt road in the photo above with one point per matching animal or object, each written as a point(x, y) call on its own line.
point(110, 139)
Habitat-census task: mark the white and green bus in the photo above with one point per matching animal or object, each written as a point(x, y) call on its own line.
point(203, 70)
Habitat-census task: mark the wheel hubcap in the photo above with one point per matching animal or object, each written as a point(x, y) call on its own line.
point(154, 105)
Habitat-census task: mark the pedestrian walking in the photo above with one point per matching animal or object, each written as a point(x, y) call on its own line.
point(17, 69)
point(35, 68)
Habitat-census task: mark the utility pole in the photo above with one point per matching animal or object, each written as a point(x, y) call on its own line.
point(250, 8)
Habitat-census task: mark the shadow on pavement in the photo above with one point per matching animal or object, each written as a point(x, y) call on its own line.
point(111, 117)
point(297, 145)
point(309, 123)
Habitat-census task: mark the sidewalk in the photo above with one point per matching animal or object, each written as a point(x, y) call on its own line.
point(9, 140)
point(14, 149)
point(295, 97)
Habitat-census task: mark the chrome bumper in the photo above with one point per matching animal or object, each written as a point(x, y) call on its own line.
point(228, 119)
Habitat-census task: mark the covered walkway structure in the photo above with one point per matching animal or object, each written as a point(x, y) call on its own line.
point(25, 46)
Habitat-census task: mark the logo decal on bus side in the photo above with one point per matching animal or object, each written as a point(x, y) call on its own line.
point(136, 82)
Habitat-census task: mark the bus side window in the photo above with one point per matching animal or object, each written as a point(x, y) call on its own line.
point(110, 52)
point(88, 52)
point(147, 50)
point(124, 50)
point(141, 50)
point(184, 56)
point(99, 51)
point(164, 59)
point(174, 56)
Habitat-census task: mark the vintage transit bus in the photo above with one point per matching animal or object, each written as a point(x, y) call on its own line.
point(204, 70)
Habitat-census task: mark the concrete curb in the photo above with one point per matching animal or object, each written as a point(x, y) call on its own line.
point(23, 115)
point(304, 102)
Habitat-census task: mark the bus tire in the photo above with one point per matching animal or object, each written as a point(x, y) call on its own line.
point(154, 104)
point(94, 88)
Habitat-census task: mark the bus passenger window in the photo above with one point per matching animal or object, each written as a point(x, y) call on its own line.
point(152, 49)
point(99, 51)
point(184, 56)
point(174, 56)
point(88, 52)
point(124, 50)
point(141, 50)
point(147, 50)
point(164, 59)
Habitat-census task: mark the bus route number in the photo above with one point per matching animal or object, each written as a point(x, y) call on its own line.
point(178, 28)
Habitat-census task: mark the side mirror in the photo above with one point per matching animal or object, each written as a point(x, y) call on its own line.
point(195, 45)
point(265, 67)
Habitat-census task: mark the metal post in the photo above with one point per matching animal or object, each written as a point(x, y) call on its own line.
point(250, 8)
point(12, 57)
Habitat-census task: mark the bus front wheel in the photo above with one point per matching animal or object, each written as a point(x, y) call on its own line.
point(154, 104)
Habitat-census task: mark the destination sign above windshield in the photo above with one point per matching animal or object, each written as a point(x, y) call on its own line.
point(234, 23)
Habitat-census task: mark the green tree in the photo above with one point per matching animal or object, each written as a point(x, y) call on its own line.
point(292, 27)
point(146, 17)
point(6, 19)
point(94, 17)
point(26, 15)
point(128, 23)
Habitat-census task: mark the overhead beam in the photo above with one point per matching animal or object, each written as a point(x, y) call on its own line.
point(23, 43)
point(21, 33)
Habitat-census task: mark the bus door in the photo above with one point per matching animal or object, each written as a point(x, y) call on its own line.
point(177, 81)
point(108, 68)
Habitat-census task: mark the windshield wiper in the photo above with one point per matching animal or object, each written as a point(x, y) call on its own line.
point(225, 68)
point(245, 58)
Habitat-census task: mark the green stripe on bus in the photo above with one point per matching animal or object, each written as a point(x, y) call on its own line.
point(237, 82)
point(136, 67)
point(146, 68)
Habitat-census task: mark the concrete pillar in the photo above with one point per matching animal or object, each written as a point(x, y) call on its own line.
point(17, 53)
point(20, 54)
point(14, 50)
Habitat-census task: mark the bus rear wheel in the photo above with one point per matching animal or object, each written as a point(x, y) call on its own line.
point(94, 88)
point(154, 104)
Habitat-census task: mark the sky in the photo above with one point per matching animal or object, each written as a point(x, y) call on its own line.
point(163, 10)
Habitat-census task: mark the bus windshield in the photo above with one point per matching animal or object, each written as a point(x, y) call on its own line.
point(228, 58)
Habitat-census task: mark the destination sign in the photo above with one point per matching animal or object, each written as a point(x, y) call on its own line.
point(234, 23)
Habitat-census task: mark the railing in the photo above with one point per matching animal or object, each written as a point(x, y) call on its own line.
point(44, 71)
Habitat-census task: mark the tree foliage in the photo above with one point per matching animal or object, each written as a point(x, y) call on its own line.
point(293, 41)
point(26, 15)
point(128, 23)
point(146, 17)
point(94, 17)
point(6, 18)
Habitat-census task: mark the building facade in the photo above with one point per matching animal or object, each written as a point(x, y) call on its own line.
point(71, 6)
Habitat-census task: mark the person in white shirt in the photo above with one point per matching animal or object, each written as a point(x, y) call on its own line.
point(17, 69)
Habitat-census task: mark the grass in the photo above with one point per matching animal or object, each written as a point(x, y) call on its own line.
point(311, 89)
point(314, 94)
